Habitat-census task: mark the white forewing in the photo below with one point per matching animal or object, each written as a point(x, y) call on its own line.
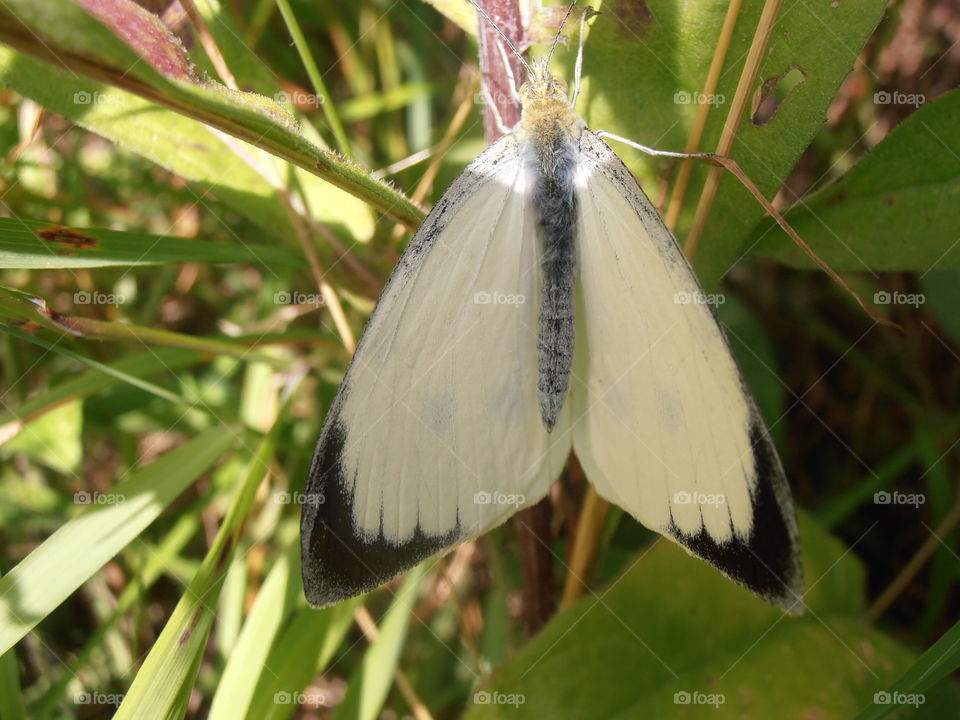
point(436, 434)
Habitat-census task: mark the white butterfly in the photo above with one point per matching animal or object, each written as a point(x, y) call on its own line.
point(543, 306)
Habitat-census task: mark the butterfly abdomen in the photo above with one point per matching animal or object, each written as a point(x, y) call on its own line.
point(555, 202)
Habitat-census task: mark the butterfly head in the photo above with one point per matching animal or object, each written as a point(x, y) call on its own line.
point(545, 109)
point(541, 86)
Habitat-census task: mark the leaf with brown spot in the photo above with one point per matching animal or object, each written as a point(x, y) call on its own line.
point(67, 236)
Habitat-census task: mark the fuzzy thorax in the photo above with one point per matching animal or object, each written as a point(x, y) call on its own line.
point(546, 115)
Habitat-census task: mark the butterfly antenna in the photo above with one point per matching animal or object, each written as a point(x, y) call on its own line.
point(500, 32)
point(556, 40)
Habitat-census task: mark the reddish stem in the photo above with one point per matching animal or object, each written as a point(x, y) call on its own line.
point(495, 74)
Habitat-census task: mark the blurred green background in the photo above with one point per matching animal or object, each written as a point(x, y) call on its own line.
point(180, 283)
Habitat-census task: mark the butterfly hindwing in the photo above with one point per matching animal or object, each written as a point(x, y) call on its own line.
point(663, 423)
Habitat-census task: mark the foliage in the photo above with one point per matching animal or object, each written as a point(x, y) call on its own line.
point(184, 262)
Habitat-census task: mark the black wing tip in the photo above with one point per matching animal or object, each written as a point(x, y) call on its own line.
point(322, 589)
point(776, 577)
point(769, 562)
point(338, 562)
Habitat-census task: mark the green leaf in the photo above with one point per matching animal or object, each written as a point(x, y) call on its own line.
point(645, 62)
point(53, 439)
point(167, 360)
point(159, 560)
point(12, 706)
point(165, 680)
point(67, 559)
point(682, 632)
point(248, 659)
point(149, 62)
point(897, 209)
point(40, 245)
point(941, 290)
point(304, 648)
point(756, 359)
point(933, 666)
point(372, 679)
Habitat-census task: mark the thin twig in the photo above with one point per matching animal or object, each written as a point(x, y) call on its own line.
point(703, 111)
point(209, 44)
point(914, 565)
point(733, 167)
point(330, 298)
point(758, 50)
point(368, 626)
point(440, 150)
point(589, 526)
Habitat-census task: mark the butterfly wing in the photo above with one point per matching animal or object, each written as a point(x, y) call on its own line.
point(435, 435)
point(662, 421)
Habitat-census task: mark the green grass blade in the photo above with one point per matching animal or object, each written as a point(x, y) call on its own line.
point(165, 680)
point(139, 366)
point(248, 658)
point(40, 245)
point(372, 679)
point(90, 48)
point(158, 559)
point(65, 560)
point(932, 667)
